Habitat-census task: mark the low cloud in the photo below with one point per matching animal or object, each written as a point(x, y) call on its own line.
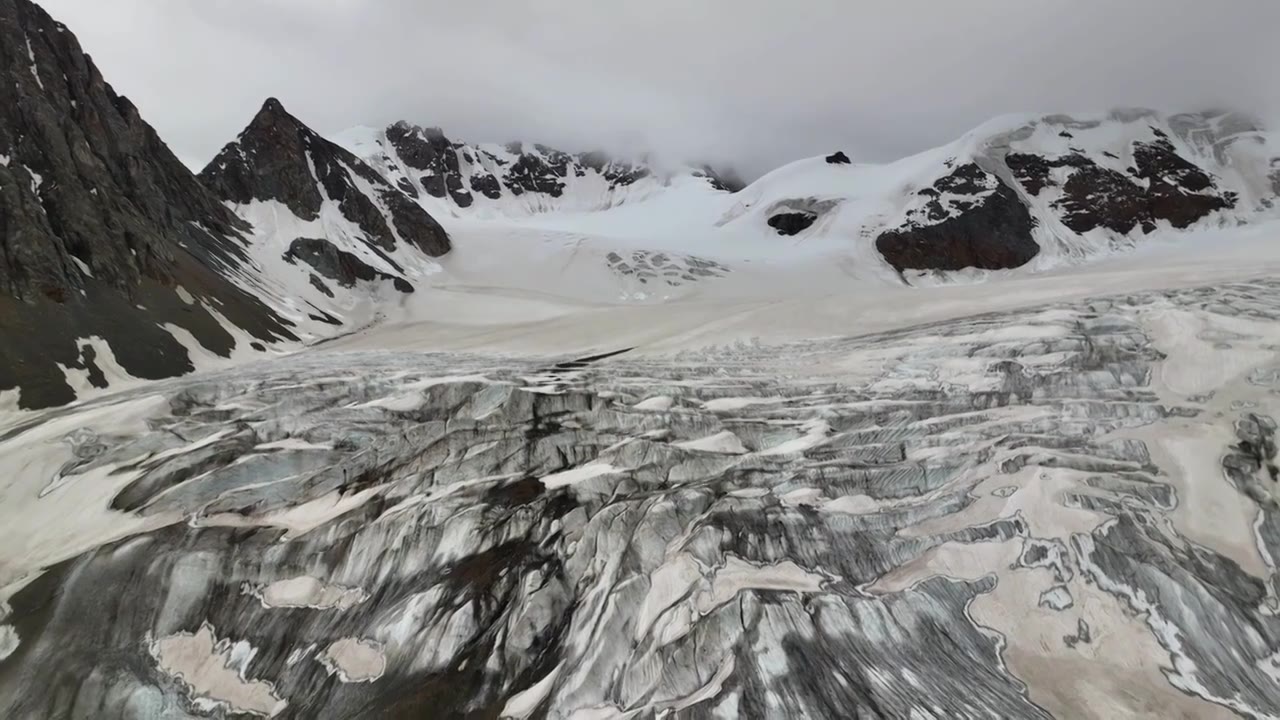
point(748, 83)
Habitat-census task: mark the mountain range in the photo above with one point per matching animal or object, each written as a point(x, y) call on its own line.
point(115, 254)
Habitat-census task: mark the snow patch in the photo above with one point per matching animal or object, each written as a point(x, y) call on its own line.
point(214, 672)
point(309, 592)
point(35, 70)
point(84, 268)
point(8, 640)
point(578, 475)
point(354, 660)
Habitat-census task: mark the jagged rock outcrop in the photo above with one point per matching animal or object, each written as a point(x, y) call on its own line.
point(792, 223)
point(516, 177)
point(103, 232)
point(970, 219)
point(278, 158)
point(1161, 185)
point(339, 265)
point(838, 158)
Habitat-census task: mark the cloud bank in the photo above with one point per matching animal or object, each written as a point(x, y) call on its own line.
point(749, 83)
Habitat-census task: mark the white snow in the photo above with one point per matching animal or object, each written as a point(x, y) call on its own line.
point(816, 432)
point(723, 442)
point(522, 704)
point(8, 640)
point(38, 498)
point(35, 70)
point(84, 268)
point(37, 180)
point(578, 475)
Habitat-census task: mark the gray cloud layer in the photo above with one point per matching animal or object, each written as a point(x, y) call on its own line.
point(752, 82)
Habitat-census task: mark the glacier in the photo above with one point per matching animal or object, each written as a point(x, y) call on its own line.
point(1063, 510)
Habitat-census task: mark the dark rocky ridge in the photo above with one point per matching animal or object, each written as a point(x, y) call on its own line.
point(792, 223)
point(273, 159)
point(99, 225)
point(447, 169)
point(339, 265)
point(430, 152)
point(1162, 185)
point(988, 227)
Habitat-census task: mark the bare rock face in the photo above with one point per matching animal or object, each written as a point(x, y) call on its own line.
point(792, 223)
point(430, 153)
point(1162, 185)
point(536, 174)
point(339, 265)
point(970, 220)
point(100, 225)
point(273, 160)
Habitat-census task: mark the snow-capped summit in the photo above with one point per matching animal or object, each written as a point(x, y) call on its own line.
point(278, 158)
point(513, 180)
point(325, 224)
point(1026, 190)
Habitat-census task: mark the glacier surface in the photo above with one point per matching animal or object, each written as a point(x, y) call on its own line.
point(1064, 510)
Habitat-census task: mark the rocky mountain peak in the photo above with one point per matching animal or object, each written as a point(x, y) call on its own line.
point(273, 106)
point(268, 161)
point(103, 232)
point(516, 177)
point(278, 158)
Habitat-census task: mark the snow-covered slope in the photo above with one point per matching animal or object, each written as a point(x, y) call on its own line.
point(1015, 196)
point(512, 180)
point(1026, 191)
point(1018, 196)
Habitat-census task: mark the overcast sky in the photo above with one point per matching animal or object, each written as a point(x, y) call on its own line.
point(754, 83)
